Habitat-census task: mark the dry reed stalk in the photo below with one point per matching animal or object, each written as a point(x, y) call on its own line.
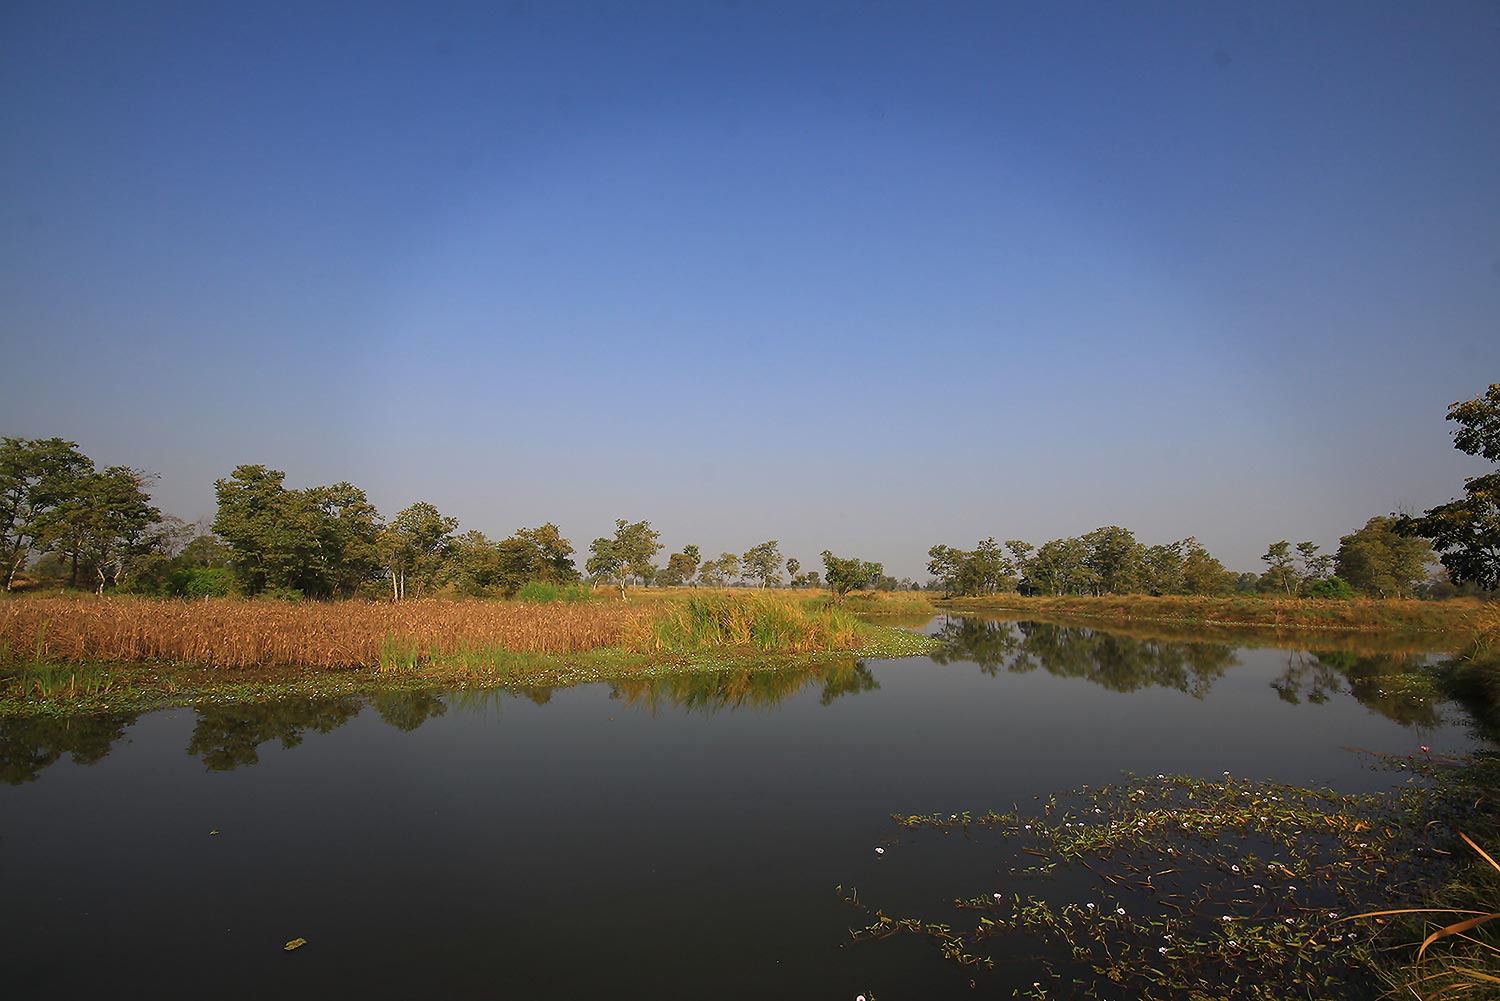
point(236, 633)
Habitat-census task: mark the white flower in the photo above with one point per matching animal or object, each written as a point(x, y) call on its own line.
point(1090, 906)
point(880, 851)
point(1234, 868)
point(1227, 917)
point(1162, 950)
point(1233, 944)
point(996, 896)
point(1119, 910)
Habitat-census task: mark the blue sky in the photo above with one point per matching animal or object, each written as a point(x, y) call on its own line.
point(863, 276)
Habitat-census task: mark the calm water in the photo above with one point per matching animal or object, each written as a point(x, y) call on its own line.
point(681, 838)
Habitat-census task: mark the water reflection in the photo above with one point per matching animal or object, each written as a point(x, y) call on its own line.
point(29, 744)
point(1387, 680)
point(1115, 661)
point(229, 736)
point(717, 691)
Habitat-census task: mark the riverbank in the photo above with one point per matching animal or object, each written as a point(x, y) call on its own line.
point(1455, 621)
point(79, 654)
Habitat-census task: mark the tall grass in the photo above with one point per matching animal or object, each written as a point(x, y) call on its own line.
point(243, 634)
point(759, 621)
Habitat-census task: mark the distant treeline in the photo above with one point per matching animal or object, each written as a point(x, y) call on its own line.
point(67, 523)
point(1377, 561)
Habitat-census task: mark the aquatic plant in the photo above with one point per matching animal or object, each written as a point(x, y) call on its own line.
point(1178, 886)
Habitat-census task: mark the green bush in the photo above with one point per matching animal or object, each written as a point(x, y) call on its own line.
point(1333, 587)
point(539, 593)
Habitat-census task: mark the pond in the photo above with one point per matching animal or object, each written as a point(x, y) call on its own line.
point(682, 837)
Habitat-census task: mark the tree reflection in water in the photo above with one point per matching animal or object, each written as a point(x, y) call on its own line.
point(29, 744)
point(1118, 662)
point(716, 691)
point(1392, 682)
point(229, 736)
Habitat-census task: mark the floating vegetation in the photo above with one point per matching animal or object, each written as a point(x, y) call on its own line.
point(1172, 886)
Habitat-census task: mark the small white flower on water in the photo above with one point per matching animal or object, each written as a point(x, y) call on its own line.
point(880, 851)
point(1256, 887)
point(1333, 914)
point(1097, 810)
point(859, 997)
point(1233, 944)
point(1090, 906)
point(1068, 825)
point(996, 896)
point(1227, 917)
point(1162, 950)
point(1161, 776)
point(1028, 827)
point(952, 816)
point(1291, 921)
point(1171, 851)
point(1226, 773)
point(1291, 888)
point(1119, 910)
point(1234, 868)
point(1264, 819)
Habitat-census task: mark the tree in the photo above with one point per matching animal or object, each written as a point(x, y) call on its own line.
point(682, 566)
point(849, 574)
point(720, 572)
point(1062, 567)
point(1466, 531)
point(36, 478)
point(111, 525)
point(763, 563)
point(1281, 572)
point(1379, 561)
point(984, 570)
point(322, 541)
point(631, 551)
point(1114, 557)
point(1201, 572)
point(415, 545)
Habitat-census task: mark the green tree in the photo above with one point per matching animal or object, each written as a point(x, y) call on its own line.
point(984, 570)
point(414, 547)
point(37, 477)
point(111, 526)
point(322, 541)
point(681, 567)
point(1466, 531)
point(849, 574)
point(257, 521)
point(630, 552)
point(763, 563)
point(1281, 572)
point(1114, 557)
point(1201, 572)
point(1379, 561)
point(1062, 567)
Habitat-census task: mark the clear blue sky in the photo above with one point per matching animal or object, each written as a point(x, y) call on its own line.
point(861, 276)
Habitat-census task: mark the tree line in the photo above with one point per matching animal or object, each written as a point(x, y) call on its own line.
point(65, 520)
point(1376, 560)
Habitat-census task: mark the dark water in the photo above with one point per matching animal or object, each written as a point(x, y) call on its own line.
point(672, 839)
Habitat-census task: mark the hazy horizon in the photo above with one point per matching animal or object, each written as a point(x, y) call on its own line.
point(863, 277)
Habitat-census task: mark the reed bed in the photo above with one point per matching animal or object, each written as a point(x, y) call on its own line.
point(247, 634)
point(759, 621)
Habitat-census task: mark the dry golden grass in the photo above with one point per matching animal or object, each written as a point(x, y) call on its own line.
point(236, 633)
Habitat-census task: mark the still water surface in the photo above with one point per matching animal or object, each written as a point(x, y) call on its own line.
point(680, 838)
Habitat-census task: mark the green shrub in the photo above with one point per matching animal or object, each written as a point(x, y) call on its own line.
point(1333, 587)
point(539, 593)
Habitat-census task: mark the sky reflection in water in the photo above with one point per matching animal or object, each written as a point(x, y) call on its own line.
point(668, 831)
